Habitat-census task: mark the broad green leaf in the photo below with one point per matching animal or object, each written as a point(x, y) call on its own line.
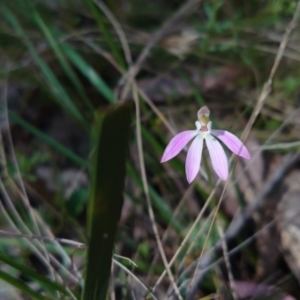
point(104, 209)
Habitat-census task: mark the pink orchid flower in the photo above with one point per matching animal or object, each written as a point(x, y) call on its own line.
point(216, 152)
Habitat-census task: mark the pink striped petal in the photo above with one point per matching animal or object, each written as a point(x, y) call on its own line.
point(232, 142)
point(193, 159)
point(177, 143)
point(217, 156)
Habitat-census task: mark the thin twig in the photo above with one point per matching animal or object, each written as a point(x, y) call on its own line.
point(280, 146)
point(22, 191)
point(197, 237)
point(68, 242)
point(187, 236)
point(44, 238)
point(167, 26)
point(135, 278)
point(156, 111)
point(241, 219)
point(127, 259)
point(191, 287)
point(101, 52)
point(166, 232)
point(117, 28)
point(34, 248)
point(268, 85)
point(146, 191)
point(227, 262)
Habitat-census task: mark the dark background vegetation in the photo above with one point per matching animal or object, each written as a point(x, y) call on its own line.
point(62, 62)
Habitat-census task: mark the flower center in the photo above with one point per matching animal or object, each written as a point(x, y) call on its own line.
point(204, 131)
point(203, 128)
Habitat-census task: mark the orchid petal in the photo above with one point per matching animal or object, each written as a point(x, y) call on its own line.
point(193, 159)
point(217, 156)
point(177, 143)
point(232, 142)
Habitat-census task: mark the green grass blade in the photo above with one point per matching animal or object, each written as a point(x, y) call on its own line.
point(51, 286)
point(60, 55)
point(62, 98)
point(48, 140)
point(89, 73)
point(106, 198)
point(20, 285)
point(94, 10)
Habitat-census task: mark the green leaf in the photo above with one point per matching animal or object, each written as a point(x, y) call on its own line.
point(104, 210)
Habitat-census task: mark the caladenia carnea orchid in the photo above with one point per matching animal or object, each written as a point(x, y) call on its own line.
point(216, 152)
